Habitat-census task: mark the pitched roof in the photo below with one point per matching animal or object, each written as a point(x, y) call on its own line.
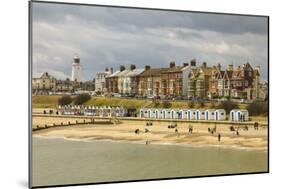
point(134, 72)
point(174, 69)
point(153, 72)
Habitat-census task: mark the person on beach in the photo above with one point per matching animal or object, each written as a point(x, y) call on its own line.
point(176, 130)
point(219, 137)
point(190, 129)
point(256, 126)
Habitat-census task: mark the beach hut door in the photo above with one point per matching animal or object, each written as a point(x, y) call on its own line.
point(217, 115)
point(207, 116)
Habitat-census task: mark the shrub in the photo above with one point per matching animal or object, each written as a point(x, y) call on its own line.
point(166, 104)
point(258, 108)
point(201, 103)
point(65, 100)
point(191, 104)
point(227, 105)
point(81, 99)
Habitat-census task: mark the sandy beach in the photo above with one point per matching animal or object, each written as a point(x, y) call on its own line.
point(158, 133)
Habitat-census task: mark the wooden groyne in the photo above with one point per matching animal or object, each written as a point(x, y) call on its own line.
point(84, 122)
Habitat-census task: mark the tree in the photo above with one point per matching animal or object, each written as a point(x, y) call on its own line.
point(81, 99)
point(258, 108)
point(228, 105)
point(65, 100)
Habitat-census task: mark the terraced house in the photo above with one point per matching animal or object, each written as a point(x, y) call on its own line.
point(198, 81)
point(150, 81)
point(236, 83)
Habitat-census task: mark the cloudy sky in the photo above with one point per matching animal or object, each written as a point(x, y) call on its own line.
point(107, 37)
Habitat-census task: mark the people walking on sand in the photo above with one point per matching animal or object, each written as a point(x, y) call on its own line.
point(190, 129)
point(146, 130)
point(176, 130)
point(137, 131)
point(219, 137)
point(256, 126)
point(237, 133)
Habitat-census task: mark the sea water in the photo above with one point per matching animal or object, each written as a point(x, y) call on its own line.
point(60, 161)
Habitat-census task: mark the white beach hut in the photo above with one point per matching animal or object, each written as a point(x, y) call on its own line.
point(239, 115)
point(190, 114)
point(210, 114)
point(184, 114)
point(168, 114)
point(141, 113)
point(220, 114)
point(199, 115)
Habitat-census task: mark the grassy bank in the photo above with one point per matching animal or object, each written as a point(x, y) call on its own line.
point(47, 101)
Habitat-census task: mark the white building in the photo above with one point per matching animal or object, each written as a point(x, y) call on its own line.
point(100, 81)
point(220, 114)
point(210, 114)
point(76, 69)
point(239, 115)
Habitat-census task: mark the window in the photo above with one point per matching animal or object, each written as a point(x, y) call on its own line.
point(250, 74)
point(222, 113)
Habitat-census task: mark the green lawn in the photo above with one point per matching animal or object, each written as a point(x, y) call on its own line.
point(47, 101)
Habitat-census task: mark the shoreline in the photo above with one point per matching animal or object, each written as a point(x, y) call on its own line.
point(93, 139)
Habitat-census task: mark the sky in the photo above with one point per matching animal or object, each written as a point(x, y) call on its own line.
point(109, 37)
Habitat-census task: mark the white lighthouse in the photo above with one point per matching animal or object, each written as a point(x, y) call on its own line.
point(76, 69)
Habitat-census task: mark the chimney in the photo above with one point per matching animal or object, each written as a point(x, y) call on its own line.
point(229, 67)
point(106, 69)
point(193, 62)
point(111, 70)
point(185, 64)
point(172, 64)
point(133, 67)
point(147, 67)
point(122, 68)
point(219, 66)
point(204, 65)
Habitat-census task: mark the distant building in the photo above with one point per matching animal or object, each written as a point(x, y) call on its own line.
point(236, 83)
point(112, 81)
point(76, 69)
point(131, 80)
point(150, 81)
point(198, 81)
point(44, 84)
point(100, 80)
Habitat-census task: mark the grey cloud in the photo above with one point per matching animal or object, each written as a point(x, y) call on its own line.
point(107, 37)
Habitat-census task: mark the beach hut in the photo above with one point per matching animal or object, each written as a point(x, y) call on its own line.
point(168, 114)
point(210, 114)
point(174, 114)
point(160, 114)
point(220, 114)
point(153, 113)
point(190, 114)
point(157, 113)
point(163, 113)
point(141, 113)
point(199, 115)
point(184, 114)
point(239, 115)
